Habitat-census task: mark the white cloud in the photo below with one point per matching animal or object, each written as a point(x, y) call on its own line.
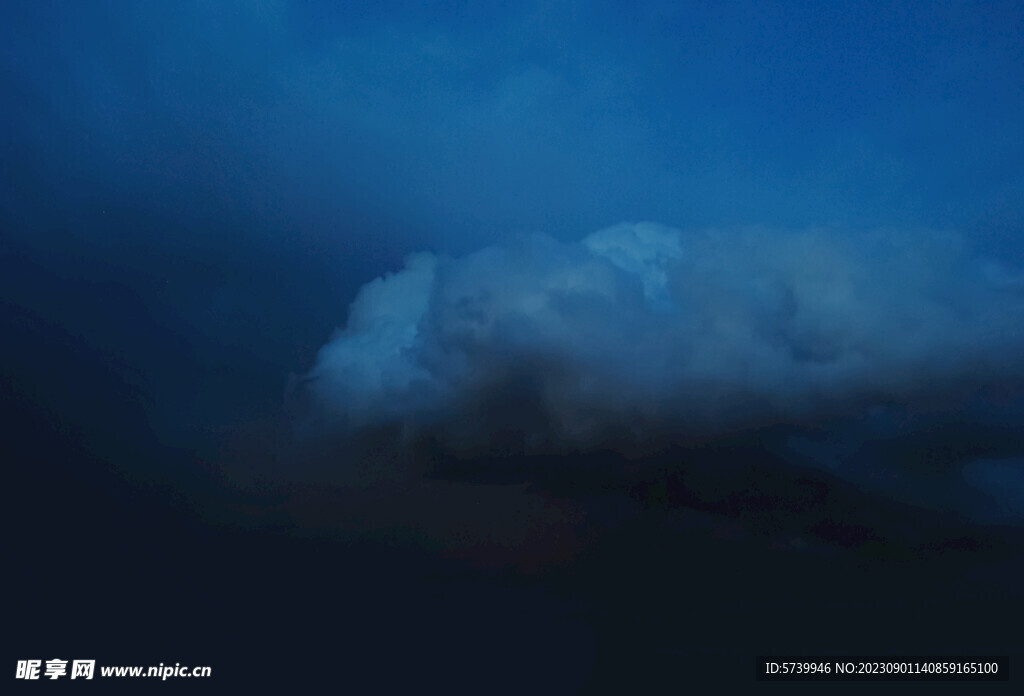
point(644, 329)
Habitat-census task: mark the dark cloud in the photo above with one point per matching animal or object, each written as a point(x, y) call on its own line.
point(641, 328)
point(642, 338)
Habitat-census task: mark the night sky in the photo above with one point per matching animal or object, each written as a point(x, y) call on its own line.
point(568, 347)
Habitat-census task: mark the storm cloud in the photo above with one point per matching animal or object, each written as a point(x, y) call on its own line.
point(642, 332)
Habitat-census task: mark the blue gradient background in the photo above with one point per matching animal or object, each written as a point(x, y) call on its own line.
point(192, 194)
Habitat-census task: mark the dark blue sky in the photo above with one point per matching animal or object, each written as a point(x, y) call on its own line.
point(457, 125)
point(193, 194)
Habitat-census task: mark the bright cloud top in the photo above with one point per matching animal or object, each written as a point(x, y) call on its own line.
point(641, 329)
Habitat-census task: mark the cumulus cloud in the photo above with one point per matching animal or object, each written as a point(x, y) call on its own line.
point(641, 332)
